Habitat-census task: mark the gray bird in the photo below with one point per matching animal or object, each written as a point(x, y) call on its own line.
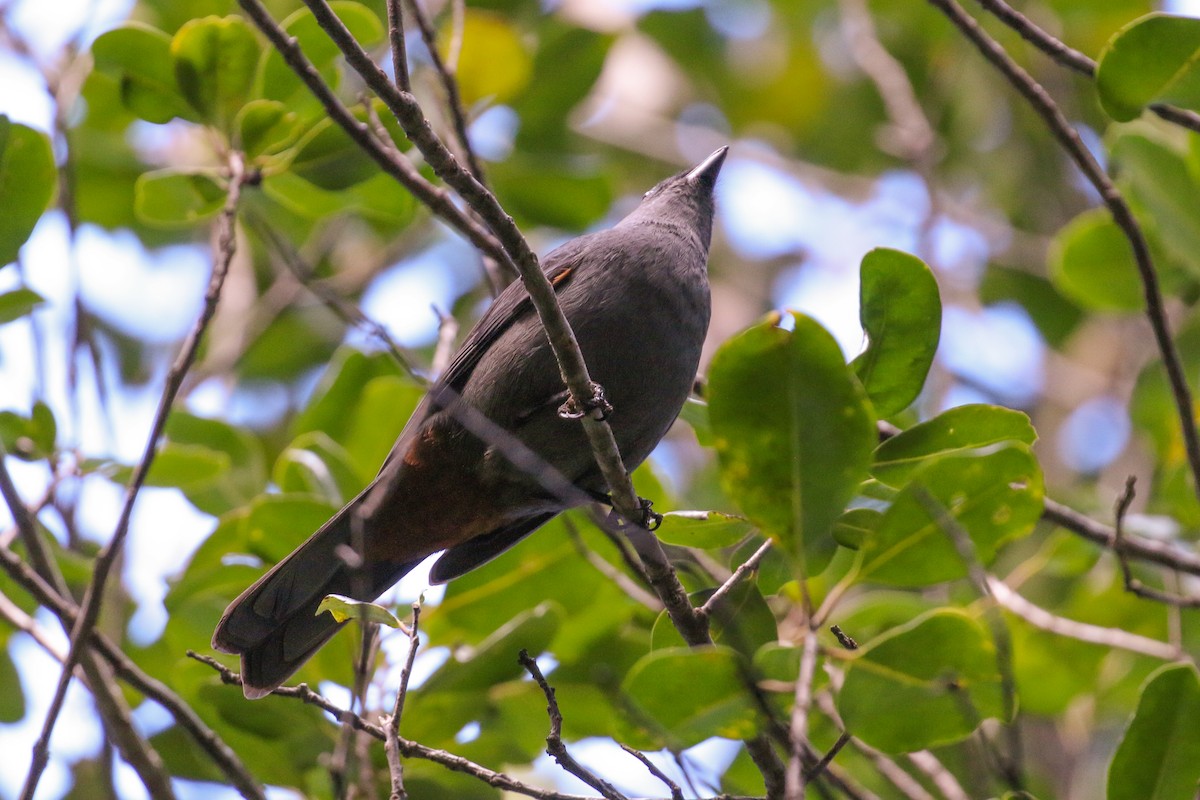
point(637, 298)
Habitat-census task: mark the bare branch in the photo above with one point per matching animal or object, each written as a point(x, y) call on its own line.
point(395, 16)
point(739, 574)
point(676, 792)
point(1137, 547)
point(1121, 213)
point(1132, 584)
point(1073, 59)
point(220, 753)
point(392, 724)
point(408, 749)
point(1094, 634)
point(434, 198)
point(93, 597)
point(458, 114)
point(797, 778)
point(554, 743)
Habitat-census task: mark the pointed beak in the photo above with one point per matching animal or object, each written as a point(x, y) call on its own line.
point(706, 171)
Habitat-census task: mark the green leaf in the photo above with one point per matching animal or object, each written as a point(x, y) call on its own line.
point(901, 313)
point(342, 608)
point(1091, 262)
point(265, 126)
point(18, 303)
point(29, 438)
point(856, 526)
point(695, 414)
point(315, 464)
point(927, 683)
point(299, 338)
point(793, 430)
point(493, 62)
point(329, 159)
point(1151, 60)
point(277, 79)
point(703, 529)
point(215, 60)
point(12, 699)
point(182, 466)
point(959, 430)
point(27, 181)
point(175, 198)
point(543, 191)
point(1159, 757)
point(139, 58)
point(1156, 175)
point(245, 475)
point(995, 497)
point(712, 701)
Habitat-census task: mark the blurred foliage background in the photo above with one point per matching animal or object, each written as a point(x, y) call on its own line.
point(853, 124)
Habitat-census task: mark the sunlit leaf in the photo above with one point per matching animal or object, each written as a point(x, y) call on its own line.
point(27, 180)
point(343, 608)
point(18, 303)
point(793, 429)
point(992, 498)
point(1159, 756)
point(713, 701)
point(928, 683)
point(1151, 60)
point(901, 312)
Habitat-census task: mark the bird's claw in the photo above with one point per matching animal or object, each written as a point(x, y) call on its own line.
point(588, 407)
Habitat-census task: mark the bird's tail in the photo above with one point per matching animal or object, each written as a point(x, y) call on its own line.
point(274, 626)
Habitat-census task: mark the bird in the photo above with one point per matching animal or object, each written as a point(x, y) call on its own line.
point(637, 299)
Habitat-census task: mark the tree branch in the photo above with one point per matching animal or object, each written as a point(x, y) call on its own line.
point(1073, 59)
point(86, 620)
point(1132, 584)
point(408, 748)
point(392, 724)
point(1121, 213)
point(1082, 631)
point(554, 743)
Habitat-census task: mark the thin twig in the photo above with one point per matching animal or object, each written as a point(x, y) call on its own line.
point(1132, 584)
point(434, 198)
point(676, 792)
point(408, 748)
point(797, 778)
point(185, 716)
point(583, 391)
point(395, 16)
point(623, 581)
point(102, 567)
point(392, 723)
point(458, 114)
point(1010, 763)
point(739, 574)
point(1082, 631)
point(554, 743)
point(1137, 547)
point(444, 350)
point(1073, 59)
point(941, 777)
point(1121, 213)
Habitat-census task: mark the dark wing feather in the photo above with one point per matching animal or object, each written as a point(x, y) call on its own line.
point(512, 304)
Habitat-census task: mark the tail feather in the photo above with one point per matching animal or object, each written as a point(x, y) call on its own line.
point(274, 625)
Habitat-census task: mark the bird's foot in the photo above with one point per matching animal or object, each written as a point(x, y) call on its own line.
point(587, 407)
point(650, 518)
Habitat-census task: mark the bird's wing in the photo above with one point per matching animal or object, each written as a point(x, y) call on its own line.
point(512, 304)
